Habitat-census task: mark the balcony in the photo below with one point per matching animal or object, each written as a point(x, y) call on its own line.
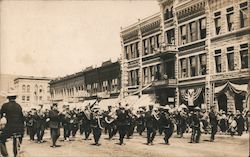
point(165, 82)
point(168, 48)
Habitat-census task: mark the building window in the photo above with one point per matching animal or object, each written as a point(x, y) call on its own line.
point(230, 58)
point(28, 88)
point(244, 14)
point(40, 89)
point(137, 50)
point(145, 47)
point(152, 73)
point(170, 36)
point(244, 56)
point(203, 64)
point(24, 88)
point(137, 76)
point(217, 22)
point(152, 44)
point(183, 35)
point(183, 68)
point(193, 71)
point(218, 61)
point(126, 52)
point(145, 74)
point(193, 30)
point(158, 72)
point(40, 98)
point(28, 98)
point(23, 98)
point(230, 19)
point(203, 31)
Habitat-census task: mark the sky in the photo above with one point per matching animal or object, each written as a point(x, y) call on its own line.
point(58, 38)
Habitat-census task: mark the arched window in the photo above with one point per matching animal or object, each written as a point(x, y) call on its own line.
point(41, 89)
point(24, 88)
point(168, 13)
point(28, 88)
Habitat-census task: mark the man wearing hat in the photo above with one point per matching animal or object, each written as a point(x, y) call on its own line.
point(166, 124)
point(95, 122)
point(66, 122)
point(151, 124)
point(195, 125)
point(240, 122)
point(54, 124)
point(15, 122)
point(122, 123)
point(213, 119)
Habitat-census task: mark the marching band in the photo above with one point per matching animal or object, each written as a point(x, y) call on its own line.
point(123, 120)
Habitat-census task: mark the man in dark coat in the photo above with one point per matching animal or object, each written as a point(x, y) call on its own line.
point(195, 125)
point(240, 122)
point(12, 111)
point(167, 124)
point(54, 124)
point(213, 122)
point(151, 124)
point(122, 123)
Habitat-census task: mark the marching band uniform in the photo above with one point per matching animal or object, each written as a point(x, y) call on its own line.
point(122, 123)
point(54, 124)
point(151, 124)
point(41, 125)
point(86, 123)
point(66, 124)
point(214, 124)
point(141, 122)
point(195, 125)
point(95, 121)
point(167, 125)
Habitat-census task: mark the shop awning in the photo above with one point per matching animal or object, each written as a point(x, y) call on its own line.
point(144, 101)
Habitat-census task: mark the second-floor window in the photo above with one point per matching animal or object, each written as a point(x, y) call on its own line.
point(244, 15)
point(217, 22)
point(230, 58)
point(23, 88)
point(203, 64)
point(28, 88)
point(28, 98)
point(183, 68)
point(217, 58)
point(193, 71)
point(244, 56)
point(145, 74)
point(145, 47)
point(230, 19)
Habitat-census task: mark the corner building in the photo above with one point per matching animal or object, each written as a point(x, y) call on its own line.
point(191, 52)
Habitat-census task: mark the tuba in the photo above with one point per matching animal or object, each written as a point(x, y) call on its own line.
point(110, 118)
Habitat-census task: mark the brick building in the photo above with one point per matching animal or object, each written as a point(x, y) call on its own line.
point(191, 52)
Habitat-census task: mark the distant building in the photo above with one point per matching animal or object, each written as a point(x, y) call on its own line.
point(90, 84)
point(191, 52)
point(32, 91)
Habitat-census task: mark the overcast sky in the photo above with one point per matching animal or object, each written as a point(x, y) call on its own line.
point(56, 38)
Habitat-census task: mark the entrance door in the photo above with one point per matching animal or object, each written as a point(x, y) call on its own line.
point(222, 102)
point(239, 102)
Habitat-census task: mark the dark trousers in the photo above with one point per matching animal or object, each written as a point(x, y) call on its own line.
point(66, 131)
point(40, 133)
point(74, 129)
point(97, 134)
point(54, 135)
point(140, 128)
point(122, 132)
point(32, 133)
point(110, 129)
point(167, 134)
point(213, 131)
point(87, 130)
point(151, 132)
point(196, 133)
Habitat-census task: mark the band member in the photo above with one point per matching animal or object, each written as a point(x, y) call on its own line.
point(66, 123)
point(140, 121)
point(122, 123)
point(167, 124)
point(86, 122)
point(110, 117)
point(54, 121)
point(151, 124)
point(41, 124)
point(213, 122)
point(195, 125)
point(74, 122)
point(95, 122)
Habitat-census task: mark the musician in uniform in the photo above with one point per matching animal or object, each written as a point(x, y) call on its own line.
point(140, 121)
point(195, 125)
point(66, 122)
point(95, 123)
point(74, 122)
point(54, 120)
point(86, 122)
point(166, 124)
point(151, 124)
point(213, 119)
point(110, 117)
point(41, 124)
point(122, 123)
